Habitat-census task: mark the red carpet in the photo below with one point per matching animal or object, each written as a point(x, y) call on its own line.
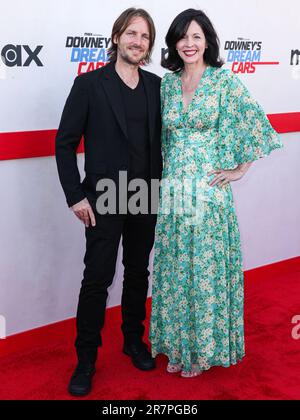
point(37, 364)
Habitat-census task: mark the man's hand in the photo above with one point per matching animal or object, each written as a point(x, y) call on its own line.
point(84, 212)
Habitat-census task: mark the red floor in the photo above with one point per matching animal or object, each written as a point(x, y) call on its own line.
point(37, 364)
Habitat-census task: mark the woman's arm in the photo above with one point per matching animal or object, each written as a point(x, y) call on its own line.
point(225, 176)
point(243, 168)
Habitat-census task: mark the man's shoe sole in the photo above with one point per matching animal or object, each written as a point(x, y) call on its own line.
point(79, 394)
point(136, 364)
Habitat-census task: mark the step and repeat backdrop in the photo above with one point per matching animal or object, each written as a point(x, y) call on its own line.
point(43, 47)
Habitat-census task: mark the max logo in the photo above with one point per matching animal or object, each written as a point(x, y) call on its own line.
point(20, 55)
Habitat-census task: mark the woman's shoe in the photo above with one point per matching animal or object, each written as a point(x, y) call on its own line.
point(174, 367)
point(196, 371)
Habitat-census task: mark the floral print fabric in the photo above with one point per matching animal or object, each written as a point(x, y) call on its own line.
point(197, 293)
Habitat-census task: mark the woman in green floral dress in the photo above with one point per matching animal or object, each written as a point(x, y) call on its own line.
point(212, 131)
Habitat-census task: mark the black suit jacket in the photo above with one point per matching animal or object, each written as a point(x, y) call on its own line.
point(94, 109)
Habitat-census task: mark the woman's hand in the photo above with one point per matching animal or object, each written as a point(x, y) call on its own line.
point(223, 177)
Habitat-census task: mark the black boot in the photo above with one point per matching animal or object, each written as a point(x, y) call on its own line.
point(139, 353)
point(81, 380)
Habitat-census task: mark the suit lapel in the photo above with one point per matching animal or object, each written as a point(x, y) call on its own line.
point(151, 103)
point(112, 89)
point(111, 86)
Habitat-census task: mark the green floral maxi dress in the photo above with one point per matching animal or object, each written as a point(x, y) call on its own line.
point(197, 293)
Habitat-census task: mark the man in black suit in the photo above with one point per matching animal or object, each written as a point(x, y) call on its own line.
point(117, 110)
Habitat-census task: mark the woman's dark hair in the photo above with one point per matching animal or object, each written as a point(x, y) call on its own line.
point(121, 25)
point(177, 31)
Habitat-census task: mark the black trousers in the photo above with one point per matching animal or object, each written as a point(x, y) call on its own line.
point(102, 242)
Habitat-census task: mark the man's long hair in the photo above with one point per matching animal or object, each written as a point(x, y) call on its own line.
point(120, 26)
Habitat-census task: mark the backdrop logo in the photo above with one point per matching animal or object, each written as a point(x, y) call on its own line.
point(245, 55)
point(164, 53)
point(20, 55)
point(295, 58)
point(2, 327)
point(89, 51)
point(295, 64)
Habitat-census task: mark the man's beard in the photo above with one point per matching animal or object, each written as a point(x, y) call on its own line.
point(125, 57)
